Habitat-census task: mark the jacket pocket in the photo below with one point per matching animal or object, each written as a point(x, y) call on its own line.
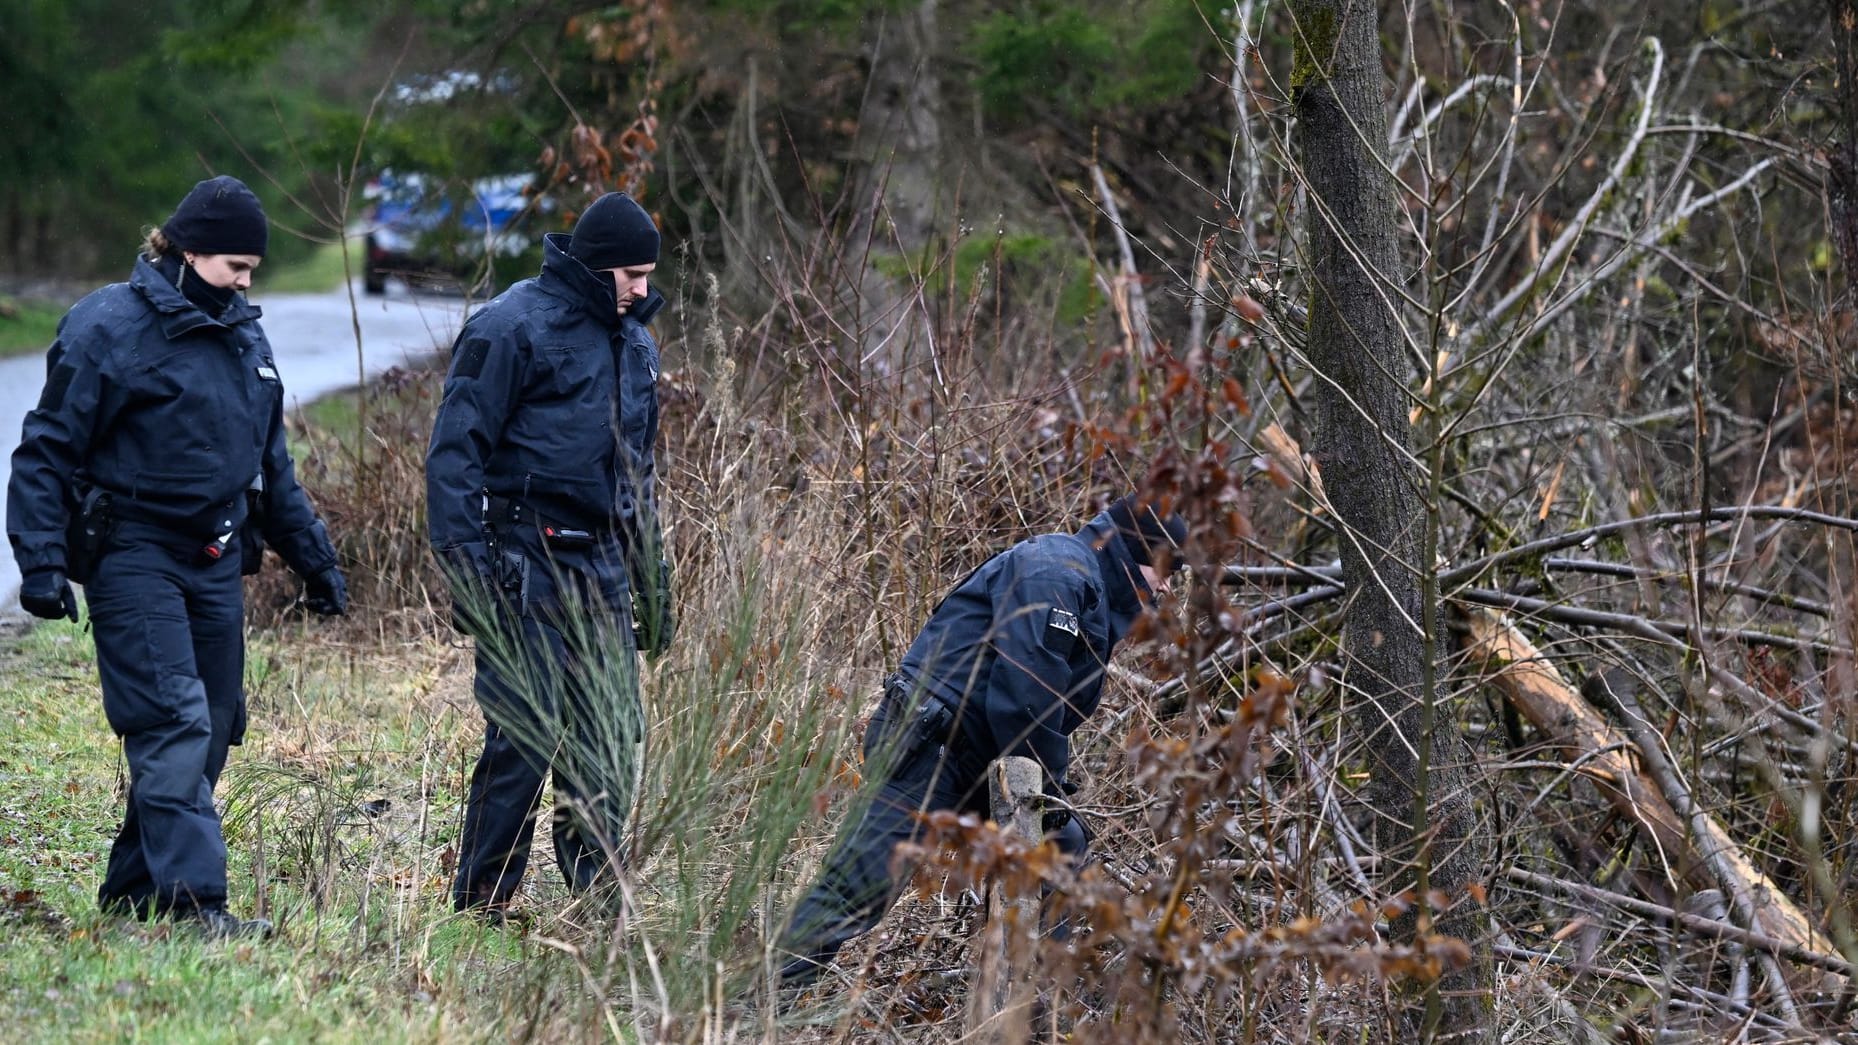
point(638, 390)
point(562, 372)
point(573, 499)
point(147, 683)
point(194, 486)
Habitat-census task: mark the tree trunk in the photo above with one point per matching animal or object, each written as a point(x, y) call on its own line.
point(1425, 824)
point(1842, 155)
point(903, 163)
point(900, 129)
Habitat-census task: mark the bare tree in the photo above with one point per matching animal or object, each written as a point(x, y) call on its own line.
point(1842, 155)
point(1422, 808)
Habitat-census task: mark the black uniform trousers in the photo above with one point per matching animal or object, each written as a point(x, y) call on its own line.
point(860, 880)
point(561, 696)
point(169, 630)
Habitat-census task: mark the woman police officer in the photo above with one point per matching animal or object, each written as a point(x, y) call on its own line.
point(148, 472)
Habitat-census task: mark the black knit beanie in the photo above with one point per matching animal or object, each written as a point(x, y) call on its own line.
point(615, 232)
point(220, 216)
point(1145, 534)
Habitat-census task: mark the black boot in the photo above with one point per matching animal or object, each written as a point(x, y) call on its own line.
point(216, 923)
point(798, 976)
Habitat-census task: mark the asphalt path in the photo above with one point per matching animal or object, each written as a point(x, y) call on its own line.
point(314, 339)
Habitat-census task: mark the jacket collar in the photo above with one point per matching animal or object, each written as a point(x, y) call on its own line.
point(179, 315)
point(583, 288)
point(646, 307)
point(1125, 592)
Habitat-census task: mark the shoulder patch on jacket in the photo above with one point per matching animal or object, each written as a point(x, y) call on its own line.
point(54, 395)
point(1062, 631)
point(470, 361)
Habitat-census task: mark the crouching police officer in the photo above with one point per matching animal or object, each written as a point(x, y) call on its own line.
point(542, 508)
point(149, 472)
point(1011, 663)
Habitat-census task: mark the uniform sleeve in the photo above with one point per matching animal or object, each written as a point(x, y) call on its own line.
point(1034, 634)
point(53, 444)
point(645, 535)
point(286, 517)
point(480, 394)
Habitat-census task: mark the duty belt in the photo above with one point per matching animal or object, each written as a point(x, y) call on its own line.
point(104, 511)
point(508, 511)
point(898, 691)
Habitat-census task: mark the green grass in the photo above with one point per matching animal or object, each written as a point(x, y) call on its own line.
point(335, 413)
point(319, 273)
point(28, 327)
point(58, 764)
point(333, 417)
point(374, 956)
point(341, 814)
point(115, 982)
point(330, 425)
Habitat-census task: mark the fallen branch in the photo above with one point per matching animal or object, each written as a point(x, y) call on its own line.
point(1617, 685)
point(1703, 852)
point(1288, 457)
point(1663, 632)
point(1718, 1002)
point(1551, 264)
point(1291, 574)
point(1695, 924)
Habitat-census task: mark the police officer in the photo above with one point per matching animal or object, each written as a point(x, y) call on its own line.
point(542, 506)
point(1011, 663)
point(150, 471)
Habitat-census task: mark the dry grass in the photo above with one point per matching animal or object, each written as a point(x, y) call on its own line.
point(821, 496)
point(812, 534)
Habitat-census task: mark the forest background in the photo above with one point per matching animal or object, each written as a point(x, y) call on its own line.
point(1519, 705)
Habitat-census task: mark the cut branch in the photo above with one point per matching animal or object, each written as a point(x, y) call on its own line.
point(1699, 849)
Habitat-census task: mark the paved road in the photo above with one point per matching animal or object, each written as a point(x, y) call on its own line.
point(313, 336)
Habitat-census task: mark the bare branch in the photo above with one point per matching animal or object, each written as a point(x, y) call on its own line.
point(1558, 251)
point(1707, 928)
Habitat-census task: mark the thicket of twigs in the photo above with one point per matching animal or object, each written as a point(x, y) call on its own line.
point(1632, 437)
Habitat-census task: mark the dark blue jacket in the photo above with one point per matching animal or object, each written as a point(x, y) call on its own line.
point(1021, 646)
point(551, 401)
point(172, 412)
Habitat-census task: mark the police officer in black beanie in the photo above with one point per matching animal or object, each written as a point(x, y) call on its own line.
point(615, 233)
point(153, 471)
point(542, 507)
point(1011, 663)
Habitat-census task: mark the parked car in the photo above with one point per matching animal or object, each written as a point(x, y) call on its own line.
point(422, 234)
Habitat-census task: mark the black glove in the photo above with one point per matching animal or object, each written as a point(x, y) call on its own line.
point(1057, 809)
point(46, 593)
point(654, 620)
point(326, 594)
